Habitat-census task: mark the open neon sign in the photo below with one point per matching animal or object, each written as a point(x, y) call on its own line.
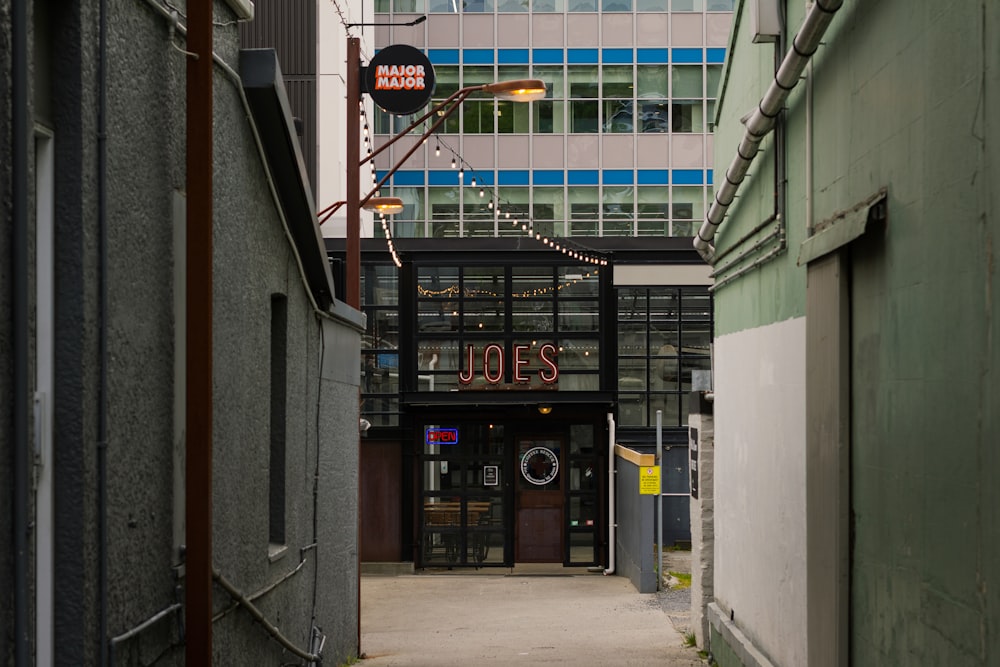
point(494, 364)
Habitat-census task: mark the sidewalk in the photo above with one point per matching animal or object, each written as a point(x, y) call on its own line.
point(526, 616)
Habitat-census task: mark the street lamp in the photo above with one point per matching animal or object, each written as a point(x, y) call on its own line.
point(521, 90)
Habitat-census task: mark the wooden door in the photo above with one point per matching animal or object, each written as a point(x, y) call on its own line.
point(381, 502)
point(540, 497)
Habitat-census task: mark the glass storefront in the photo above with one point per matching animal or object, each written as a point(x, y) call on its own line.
point(493, 494)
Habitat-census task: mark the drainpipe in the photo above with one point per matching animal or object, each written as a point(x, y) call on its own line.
point(611, 495)
point(762, 120)
point(20, 348)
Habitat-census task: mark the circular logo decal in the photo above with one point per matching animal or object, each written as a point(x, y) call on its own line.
point(539, 465)
point(400, 79)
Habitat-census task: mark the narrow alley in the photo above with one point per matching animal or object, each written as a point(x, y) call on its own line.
point(522, 616)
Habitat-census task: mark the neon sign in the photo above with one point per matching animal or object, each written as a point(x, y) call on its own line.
point(494, 364)
point(441, 436)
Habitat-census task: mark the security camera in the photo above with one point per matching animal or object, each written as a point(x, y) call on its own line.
point(364, 425)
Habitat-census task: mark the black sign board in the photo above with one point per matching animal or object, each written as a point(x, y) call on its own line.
point(693, 463)
point(400, 79)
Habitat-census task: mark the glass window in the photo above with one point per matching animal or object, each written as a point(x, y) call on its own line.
point(652, 210)
point(582, 5)
point(583, 210)
point(652, 81)
point(477, 6)
point(512, 5)
point(548, 117)
point(478, 217)
point(446, 83)
point(650, 5)
point(686, 116)
point(654, 115)
point(407, 6)
point(687, 207)
point(713, 75)
point(618, 81)
point(618, 209)
point(720, 5)
point(442, 6)
point(579, 316)
point(686, 5)
point(410, 222)
point(582, 81)
point(553, 78)
point(513, 211)
point(655, 364)
point(548, 211)
point(616, 5)
point(687, 81)
point(444, 211)
point(547, 5)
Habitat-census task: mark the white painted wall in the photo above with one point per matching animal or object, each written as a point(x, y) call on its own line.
point(760, 515)
point(331, 110)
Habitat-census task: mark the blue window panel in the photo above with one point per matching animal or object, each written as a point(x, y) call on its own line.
point(477, 56)
point(548, 177)
point(443, 56)
point(512, 177)
point(581, 56)
point(443, 177)
point(582, 176)
point(617, 56)
point(617, 177)
point(405, 177)
point(709, 177)
point(687, 56)
point(688, 177)
point(512, 56)
point(715, 55)
point(653, 177)
point(652, 56)
point(547, 56)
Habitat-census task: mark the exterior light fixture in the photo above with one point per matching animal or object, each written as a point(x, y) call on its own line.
point(384, 205)
point(518, 90)
point(544, 408)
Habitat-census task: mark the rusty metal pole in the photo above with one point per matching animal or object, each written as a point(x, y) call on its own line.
point(198, 402)
point(352, 284)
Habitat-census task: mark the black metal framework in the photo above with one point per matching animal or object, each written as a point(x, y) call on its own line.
point(664, 336)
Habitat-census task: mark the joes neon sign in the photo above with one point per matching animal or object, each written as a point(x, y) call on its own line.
point(494, 364)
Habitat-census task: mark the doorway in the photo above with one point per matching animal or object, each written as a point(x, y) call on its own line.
point(540, 498)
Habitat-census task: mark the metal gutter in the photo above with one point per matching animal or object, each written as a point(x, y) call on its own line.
point(762, 120)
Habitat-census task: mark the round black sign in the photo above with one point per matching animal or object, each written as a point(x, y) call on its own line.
point(400, 79)
point(539, 465)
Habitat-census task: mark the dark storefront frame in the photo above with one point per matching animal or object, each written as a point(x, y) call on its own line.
point(398, 403)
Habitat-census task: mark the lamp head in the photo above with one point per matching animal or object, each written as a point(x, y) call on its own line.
point(517, 90)
point(384, 205)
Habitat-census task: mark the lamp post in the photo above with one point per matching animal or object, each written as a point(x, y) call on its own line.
point(522, 90)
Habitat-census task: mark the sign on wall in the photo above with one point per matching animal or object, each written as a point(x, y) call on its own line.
point(649, 480)
point(441, 436)
point(400, 79)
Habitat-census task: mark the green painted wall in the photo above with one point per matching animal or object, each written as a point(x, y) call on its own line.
point(907, 96)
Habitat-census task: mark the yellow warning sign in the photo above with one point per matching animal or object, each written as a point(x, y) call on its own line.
point(649, 480)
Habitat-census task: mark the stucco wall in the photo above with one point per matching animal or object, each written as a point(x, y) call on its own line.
point(252, 260)
point(760, 566)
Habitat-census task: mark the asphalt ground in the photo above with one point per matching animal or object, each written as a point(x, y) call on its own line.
point(522, 616)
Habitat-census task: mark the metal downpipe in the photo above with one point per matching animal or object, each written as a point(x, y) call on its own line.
point(611, 495)
point(761, 121)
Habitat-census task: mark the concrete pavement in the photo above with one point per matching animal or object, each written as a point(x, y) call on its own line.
point(526, 616)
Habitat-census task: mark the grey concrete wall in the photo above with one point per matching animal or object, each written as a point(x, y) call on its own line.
point(316, 571)
point(702, 455)
point(636, 529)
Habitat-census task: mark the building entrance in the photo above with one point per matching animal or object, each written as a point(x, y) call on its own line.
point(503, 491)
point(540, 500)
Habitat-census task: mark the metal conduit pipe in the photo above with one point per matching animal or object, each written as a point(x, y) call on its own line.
point(776, 233)
point(761, 121)
point(611, 495)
